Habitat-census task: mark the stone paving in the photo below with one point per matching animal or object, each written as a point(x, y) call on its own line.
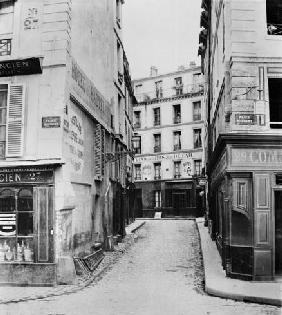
point(161, 274)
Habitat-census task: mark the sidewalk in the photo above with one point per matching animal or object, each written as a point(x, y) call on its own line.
point(16, 294)
point(217, 284)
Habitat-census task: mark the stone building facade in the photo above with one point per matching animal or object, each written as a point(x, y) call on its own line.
point(58, 125)
point(168, 122)
point(240, 45)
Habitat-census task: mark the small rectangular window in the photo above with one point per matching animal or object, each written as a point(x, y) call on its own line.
point(177, 169)
point(157, 116)
point(177, 140)
point(157, 143)
point(157, 169)
point(176, 114)
point(274, 17)
point(197, 111)
point(178, 86)
point(137, 169)
point(197, 138)
point(137, 119)
point(159, 89)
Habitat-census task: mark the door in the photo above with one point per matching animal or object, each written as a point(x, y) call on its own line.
point(278, 232)
point(178, 202)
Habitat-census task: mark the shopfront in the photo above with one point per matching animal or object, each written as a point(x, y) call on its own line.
point(26, 226)
point(246, 203)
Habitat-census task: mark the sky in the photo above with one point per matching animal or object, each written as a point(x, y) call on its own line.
point(161, 33)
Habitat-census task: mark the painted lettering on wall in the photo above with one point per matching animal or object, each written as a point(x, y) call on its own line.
point(170, 156)
point(249, 157)
point(25, 177)
point(31, 21)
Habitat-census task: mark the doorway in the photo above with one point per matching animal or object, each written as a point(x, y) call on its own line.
point(178, 203)
point(278, 233)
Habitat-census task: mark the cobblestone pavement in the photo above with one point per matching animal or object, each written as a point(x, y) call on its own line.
point(160, 275)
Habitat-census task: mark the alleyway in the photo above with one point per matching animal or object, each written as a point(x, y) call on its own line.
point(160, 275)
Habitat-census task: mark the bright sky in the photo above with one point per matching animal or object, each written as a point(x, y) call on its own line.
point(161, 33)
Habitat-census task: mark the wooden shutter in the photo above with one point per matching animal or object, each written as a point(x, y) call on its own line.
point(43, 205)
point(98, 151)
point(15, 120)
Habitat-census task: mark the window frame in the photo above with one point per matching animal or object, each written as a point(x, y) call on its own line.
point(197, 112)
point(157, 113)
point(197, 146)
point(157, 170)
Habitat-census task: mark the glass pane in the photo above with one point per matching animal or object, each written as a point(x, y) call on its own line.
point(25, 200)
point(7, 201)
point(241, 229)
point(25, 249)
point(3, 98)
point(3, 113)
point(25, 223)
point(7, 249)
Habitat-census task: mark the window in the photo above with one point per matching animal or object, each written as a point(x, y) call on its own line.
point(275, 102)
point(196, 83)
point(178, 86)
point(7, 17)
point(137, 168)
point(198, 167)
point(138, 93)
point(16, 229)
point(274, 17)
point(137, 121)
point(197, 111)
point(158, 199)
point(177, 171)
point(136, 141)
point(157, 116)
point(157, 169)
point(177, 140)
point(197, 138)
point(157, 143)
point(159, 89)
point(177, 114)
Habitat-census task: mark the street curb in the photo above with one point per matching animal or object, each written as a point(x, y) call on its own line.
point(211, 290)
point(77, 288)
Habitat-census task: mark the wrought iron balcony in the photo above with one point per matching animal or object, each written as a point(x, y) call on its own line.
point(137, 125)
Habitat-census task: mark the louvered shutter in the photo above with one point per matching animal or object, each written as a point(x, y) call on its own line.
point(15, 120)
point(98, 151)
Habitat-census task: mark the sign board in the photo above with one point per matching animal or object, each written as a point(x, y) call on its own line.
point(27, 66)
point(160, 157)
point(51, 122)
point(245, 119)
point(25, 176)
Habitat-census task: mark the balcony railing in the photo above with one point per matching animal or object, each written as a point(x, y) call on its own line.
point(157, 177)
point(177, 175)
point(196, 117)
point(274, 29)
point(157, 148)
point(177, 147)
point(137, 125)
point(157, 122)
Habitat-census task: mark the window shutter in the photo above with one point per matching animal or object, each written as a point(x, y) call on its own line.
point(15, 121)
point(98, 150)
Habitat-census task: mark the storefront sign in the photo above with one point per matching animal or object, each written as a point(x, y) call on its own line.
point(171, 156)
point(245, 119)
point(51, 122)
point(25, 177)
point(251, 157)
point(20, 67)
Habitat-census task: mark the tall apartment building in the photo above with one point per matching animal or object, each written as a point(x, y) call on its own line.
point(240, 45)
point(168, 124)
point(58, 126)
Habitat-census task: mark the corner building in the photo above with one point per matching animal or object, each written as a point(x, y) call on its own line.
point(57, 124)
point(168, 124)
point(240, 45)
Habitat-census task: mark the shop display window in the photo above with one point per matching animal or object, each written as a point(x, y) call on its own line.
point(16, 225)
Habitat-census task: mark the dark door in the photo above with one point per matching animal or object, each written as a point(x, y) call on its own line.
point(278, 232)
point(178, 202)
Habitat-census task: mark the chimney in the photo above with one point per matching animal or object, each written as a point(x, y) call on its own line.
point(154, 71)
point(192, 64)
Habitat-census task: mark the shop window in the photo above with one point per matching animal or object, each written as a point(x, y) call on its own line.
point(158, 199)
point(177, 169)
point(157, 143)
point(157, 116)
point(196, 111)
point(137, 169)
point(16, 224)
point(176, 114)
point(157, 170)
point(197, 138)
point(177, 140)
point(274, 17)
point(275, 102)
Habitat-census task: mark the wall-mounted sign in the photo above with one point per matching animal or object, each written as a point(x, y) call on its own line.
point(35, 176)
point(51, 122)
point(245, 119)
point(20, 67)
point(160, 157)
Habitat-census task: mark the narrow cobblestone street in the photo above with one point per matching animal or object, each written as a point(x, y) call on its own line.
point(160, 275)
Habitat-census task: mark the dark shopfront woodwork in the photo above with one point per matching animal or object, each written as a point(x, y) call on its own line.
point(278, 232)
point(26, 216)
